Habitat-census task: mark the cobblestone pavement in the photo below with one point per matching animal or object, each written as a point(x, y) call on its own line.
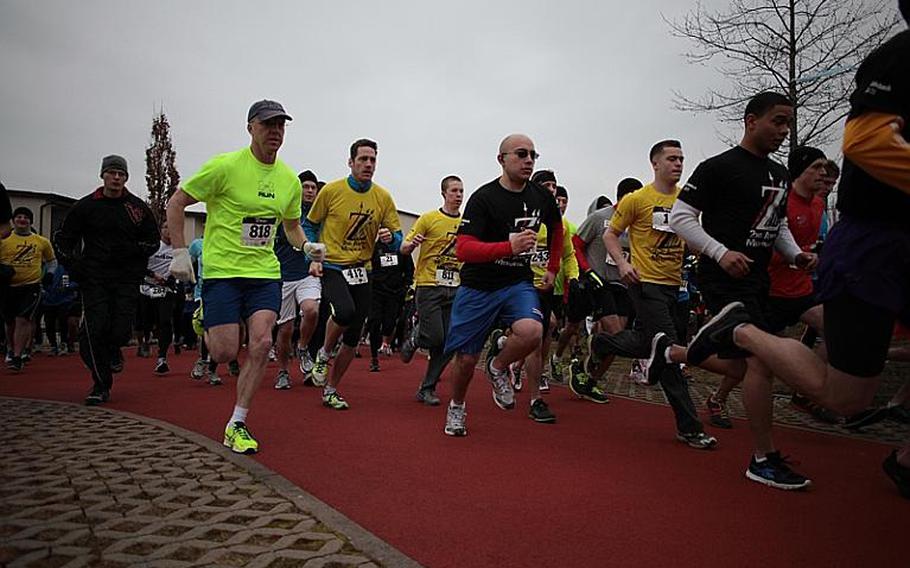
point(90, 487)
point(704, 383)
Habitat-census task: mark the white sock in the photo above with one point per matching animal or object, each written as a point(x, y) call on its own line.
point(328, 390)
point(454, 404)
point(667, 355)
point(239, 415)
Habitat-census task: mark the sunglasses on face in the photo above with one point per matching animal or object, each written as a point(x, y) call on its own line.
point(522, 154)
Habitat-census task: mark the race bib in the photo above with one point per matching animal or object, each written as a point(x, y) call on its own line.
point(660, 220)
point(540, 258)
point(447, 277)
point(152, 290)
point(257, 231)
point(355, 276)
point(387, 260)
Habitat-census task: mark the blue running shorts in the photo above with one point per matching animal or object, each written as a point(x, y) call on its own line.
point(232, 300)
point(475, 312)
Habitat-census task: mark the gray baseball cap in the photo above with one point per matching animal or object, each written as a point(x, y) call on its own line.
point(266, 109)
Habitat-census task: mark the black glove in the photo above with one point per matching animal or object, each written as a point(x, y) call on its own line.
point(592, 280)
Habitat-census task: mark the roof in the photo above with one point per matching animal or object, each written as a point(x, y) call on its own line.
point(46, 195)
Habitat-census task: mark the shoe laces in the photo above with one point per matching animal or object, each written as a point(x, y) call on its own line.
point(456, 415)
point(241, 431)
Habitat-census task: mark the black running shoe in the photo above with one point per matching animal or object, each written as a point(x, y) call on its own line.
point(540, 412)
point(95, 397)
point(717, 335)
point(234, 368)
point(898, 473)
point(116, 361)
point(775, 472)
point(820, 413)
point(409, 346)
point(15, 364)
point(161, 366)
point(374, 365)
point(657, 361)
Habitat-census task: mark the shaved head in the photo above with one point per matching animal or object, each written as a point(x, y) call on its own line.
point(513, 141)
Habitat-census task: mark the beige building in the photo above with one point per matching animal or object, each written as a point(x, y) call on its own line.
point(51, 208)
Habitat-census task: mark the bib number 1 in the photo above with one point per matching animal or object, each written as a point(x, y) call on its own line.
point(257, 231)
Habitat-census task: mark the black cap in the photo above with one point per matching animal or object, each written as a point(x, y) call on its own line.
point(543, 176)
point(307, 176)
point(266, 109)
point(801, 158)
point(114, 162)
point(561, 192)
point(24, 211)
point(627, 186)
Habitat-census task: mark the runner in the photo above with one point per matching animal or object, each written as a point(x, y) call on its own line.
point(568, 298)
point(246, 192)
point(30, 255)
point(157, 295)
point(609, 301)
point(300, 294)
point(741, 196)
point(348, 217)
point(437, 279)
point(864, 278)
point(496, 239)
point(104, 243)
point(391, 274)
point(654, 277)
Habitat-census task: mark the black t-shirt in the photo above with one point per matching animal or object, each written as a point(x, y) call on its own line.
point(491, 215)
point(743, 199)
point(882, 85)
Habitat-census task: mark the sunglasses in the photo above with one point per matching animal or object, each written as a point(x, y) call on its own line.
point(522, 154)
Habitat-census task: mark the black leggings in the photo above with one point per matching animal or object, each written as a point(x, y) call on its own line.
point(55, 318)
point(158, 313)
point(385, 310)
point(349, 305)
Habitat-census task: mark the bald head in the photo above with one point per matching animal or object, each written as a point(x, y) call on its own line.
point(513, 141)
point(517, 157)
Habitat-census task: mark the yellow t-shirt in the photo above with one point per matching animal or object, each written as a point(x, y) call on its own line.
point(25, 255)
point(568, 265)
point(657, 252)
point(245, 200)
point(437, 252)
point(350, 220)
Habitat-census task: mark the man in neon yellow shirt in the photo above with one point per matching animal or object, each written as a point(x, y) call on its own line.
point(247, 193)
point(350, 217)
point(437, 280)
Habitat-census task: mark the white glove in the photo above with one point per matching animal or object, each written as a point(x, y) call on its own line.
point(182, 266)
point(316, 251)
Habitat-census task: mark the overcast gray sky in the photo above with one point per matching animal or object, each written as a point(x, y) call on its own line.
point(437, 84)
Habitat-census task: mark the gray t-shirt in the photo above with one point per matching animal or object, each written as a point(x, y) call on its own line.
point(591, 232)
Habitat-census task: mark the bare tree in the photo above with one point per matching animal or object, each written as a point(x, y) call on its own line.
point(805, 49)
point(161, 176)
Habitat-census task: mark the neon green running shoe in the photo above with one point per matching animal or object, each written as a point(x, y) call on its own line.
point(334, 400)
point(238, 437)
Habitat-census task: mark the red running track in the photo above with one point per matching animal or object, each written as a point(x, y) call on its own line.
point(606, 485)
